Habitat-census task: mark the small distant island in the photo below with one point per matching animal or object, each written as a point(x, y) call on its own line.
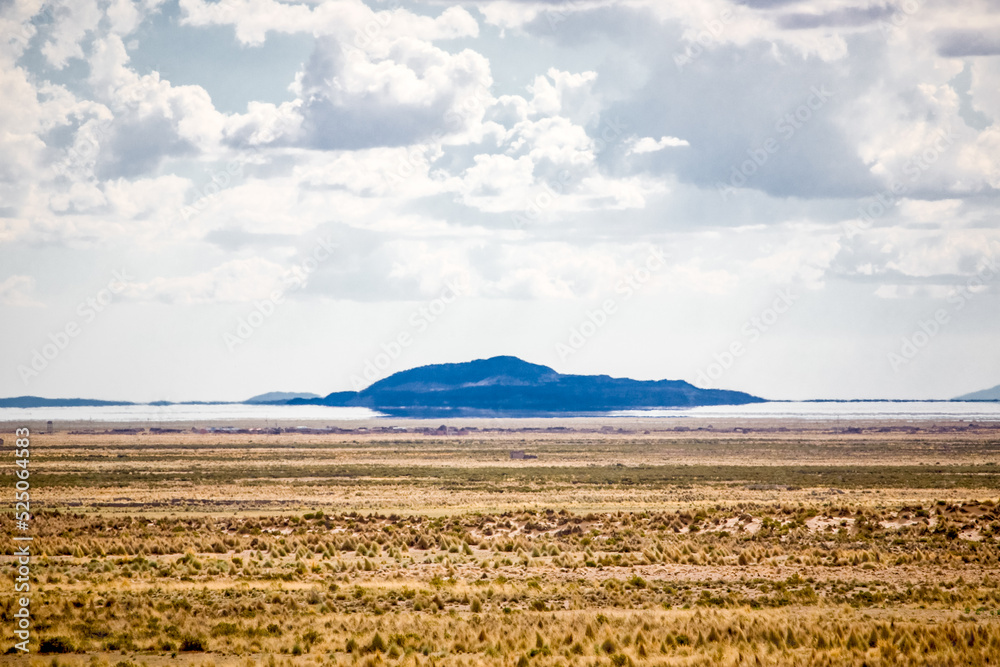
point(278, 397)
point(506, 386)
point(38, 402)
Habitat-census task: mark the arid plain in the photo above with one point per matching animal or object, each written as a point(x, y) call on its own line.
point(625, 541)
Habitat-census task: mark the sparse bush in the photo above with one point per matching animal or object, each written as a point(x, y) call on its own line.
point(193, 643)
point(56, 645)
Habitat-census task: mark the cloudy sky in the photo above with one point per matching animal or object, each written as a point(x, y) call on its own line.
point(212, 199)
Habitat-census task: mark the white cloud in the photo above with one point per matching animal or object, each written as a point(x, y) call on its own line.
point(20, 146)
point(560, 93)
point(803, 257)
point(80, 198)
point(489, 183)
point(74, 20)
point(351, 22)
point(16, 291)
point(264, 123)
point(509, 13)
point(151, 119)
point(236, 281)
point(351, 99)
point(650, 145)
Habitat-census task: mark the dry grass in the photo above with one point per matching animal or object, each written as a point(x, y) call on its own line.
point(665, 548)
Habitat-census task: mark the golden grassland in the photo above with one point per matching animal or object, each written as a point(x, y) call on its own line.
point(775, 544)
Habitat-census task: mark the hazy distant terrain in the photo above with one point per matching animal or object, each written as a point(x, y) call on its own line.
point(992, 394)
point(279, 397)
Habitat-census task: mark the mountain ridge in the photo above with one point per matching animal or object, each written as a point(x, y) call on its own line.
point(508, 386)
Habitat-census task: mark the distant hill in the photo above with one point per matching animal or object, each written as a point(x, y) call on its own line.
point(984, 395)
point(508, 386)
point(279, 397)
point(36, 402)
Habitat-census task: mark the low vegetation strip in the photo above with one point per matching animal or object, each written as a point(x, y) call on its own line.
point(985, 476)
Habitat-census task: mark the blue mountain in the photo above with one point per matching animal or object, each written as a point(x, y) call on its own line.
point(508, 386)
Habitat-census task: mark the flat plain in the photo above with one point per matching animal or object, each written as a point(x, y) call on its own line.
point(624, 541)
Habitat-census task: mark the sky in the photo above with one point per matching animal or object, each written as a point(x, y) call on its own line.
point(207, 200)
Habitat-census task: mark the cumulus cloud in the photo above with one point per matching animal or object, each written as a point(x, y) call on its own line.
point(150, 119)
point(417, 90)
point(566, 94)
point(72, 22)
point(374, 78)
point(20, 145)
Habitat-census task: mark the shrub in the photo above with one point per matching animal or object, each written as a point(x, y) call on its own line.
point(56, 645)
point(377, 645)
point(224, 629)
point(194, 643)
